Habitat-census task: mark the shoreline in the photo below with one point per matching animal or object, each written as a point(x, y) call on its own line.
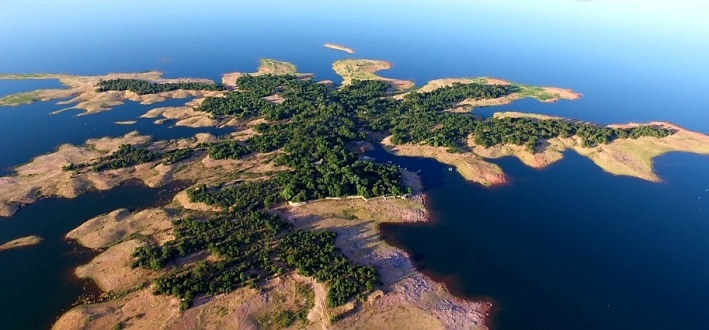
point(44, 177)
point(365, 69)
point(21, 242)
point(625, 157)
point(360, 224)
point(403, 285)
point(491, 306)
point(391, 261)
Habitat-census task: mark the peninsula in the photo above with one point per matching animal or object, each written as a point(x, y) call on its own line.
point(280, 225)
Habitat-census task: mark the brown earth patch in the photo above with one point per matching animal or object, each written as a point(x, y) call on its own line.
point(470, 166)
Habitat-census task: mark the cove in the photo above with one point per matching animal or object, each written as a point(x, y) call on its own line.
point(569, 246)
point(9, 87)
point(20, 125)
point(38, 282)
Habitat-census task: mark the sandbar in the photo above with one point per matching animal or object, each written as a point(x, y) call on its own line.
point(21, 242)
point(339, 47)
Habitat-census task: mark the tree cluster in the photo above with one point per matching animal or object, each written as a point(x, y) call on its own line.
point(249, 245)
point(530, 131)
point(311, 128)
point(129, 155)
point(142, 87)
point(314, 254)
point(441, 99)
point(241, 197)
point(176, 155)
point(228, 149)
point(263, 85)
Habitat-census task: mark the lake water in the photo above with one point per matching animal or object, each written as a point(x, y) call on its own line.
point(40, 279)
point(565, 247)
point(22, 123)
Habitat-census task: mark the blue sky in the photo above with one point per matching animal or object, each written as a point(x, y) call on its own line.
point(676, 32)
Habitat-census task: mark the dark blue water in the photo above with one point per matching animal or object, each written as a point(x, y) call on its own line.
point(8, 87)
point(21, 124)
point(565, 247)
point(40, 279)
point(569, 247)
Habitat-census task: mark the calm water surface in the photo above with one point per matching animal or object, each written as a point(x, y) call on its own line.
point(564, 247)
point(603, 252)
point(39, 279)
point(21, 123)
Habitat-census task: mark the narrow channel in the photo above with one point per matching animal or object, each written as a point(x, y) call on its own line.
point(38, 282)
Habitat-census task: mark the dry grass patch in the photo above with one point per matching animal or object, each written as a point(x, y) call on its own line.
point(470, 166)
point(21, 242)
point(266, 66)
point(111, 269)
point(82, 90)
point(44, 176)
point(628, 157)
point(351, 69)
point(111, 228)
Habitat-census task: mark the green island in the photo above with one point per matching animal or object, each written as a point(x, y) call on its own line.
point(142, 87)
point(287, 206)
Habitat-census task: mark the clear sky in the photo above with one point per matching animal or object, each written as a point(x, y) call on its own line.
point(675, 31)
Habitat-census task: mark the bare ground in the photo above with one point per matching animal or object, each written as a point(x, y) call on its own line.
point(266, 66)
point(21, 242)
point(628, 157)
point(111, 269)
point(82, 90)
point(470, 166)
point(106, 230)
point(351, 69)
point(409, 300)
point(44, 176)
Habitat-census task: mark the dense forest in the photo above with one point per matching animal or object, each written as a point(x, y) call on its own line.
point(129, 155)
point(249, 246)
point(142, 87)
point(418, 118)
point(311, 127)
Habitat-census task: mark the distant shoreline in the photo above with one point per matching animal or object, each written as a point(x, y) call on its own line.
point(340, 47)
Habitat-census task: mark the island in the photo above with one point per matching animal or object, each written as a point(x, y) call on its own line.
point(340, 47)
point(21, 242)
point(279, 226)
